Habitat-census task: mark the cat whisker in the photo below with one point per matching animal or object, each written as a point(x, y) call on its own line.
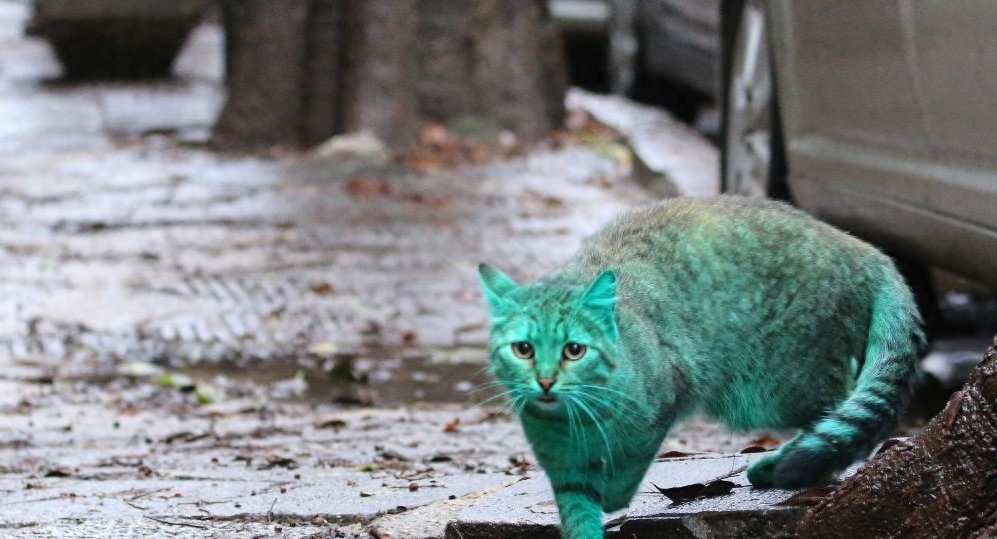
point(632, 414)
point(493, 398)
point(575, 422)
point(615, 392)
point(611, 411)
point(486, 385)
point(579, 400)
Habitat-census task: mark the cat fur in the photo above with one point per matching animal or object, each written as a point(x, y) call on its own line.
point(751, 312)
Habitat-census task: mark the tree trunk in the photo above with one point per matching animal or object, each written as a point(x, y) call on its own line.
point(265, 42)
point(382, 69)
point(515, 75)
point(940, 483)
point(322, 98)
point(300, 71)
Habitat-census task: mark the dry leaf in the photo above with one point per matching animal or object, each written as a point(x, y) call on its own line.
point(367, 187)
point(714, 488)
point(674, 454)
point(954, 407)
point(808, 497)
point(766, 441)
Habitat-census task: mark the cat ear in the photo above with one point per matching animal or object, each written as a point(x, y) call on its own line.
point(602, 291)
point(600, 298)
point(496, 285)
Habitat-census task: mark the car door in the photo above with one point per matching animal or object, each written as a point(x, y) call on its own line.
point(954, 64)
point(848, 98)
point(889, 118)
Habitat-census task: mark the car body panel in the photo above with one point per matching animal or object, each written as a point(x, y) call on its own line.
point(879, 140)
point(679, 41)
point(673, 40)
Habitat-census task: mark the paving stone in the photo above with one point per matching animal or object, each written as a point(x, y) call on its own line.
point(527, 508)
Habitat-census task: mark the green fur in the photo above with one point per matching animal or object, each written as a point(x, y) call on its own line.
point(751, 312)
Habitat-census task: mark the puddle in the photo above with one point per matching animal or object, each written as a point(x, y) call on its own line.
point(379, 377)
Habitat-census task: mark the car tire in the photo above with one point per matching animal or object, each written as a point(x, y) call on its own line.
point(753, 161)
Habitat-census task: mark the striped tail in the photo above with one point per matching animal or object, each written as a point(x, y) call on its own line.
point(886, 380)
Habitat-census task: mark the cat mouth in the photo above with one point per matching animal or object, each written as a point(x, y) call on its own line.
point(547, 398)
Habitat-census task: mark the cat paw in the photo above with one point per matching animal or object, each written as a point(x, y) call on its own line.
point(615, 503)
point(761, 473)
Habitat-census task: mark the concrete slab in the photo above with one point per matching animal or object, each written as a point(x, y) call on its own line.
point(527, 509)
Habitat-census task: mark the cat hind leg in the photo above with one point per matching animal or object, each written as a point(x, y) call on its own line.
point(852, 429)
point(790, 466)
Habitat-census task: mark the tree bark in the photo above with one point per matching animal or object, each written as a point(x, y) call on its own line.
point(300, 71)
point(265, 42)
point(322, 97)
point(940, 483)
point(518, 65)
point(382, 70)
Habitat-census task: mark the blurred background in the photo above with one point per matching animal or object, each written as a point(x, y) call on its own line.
point(208, 205)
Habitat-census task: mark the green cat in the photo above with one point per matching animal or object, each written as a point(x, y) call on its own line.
point(749, 311)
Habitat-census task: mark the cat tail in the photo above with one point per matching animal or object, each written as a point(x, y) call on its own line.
point(886, 379)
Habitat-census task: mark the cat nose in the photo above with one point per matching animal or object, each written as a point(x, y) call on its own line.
point(545, 384)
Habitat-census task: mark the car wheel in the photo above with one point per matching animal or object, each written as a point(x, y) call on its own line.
point(753, 162)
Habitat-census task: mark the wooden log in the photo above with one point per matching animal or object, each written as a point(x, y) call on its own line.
point(939, 483)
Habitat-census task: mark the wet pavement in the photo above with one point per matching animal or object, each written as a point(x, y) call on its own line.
point(191, 344)
point(196, 345)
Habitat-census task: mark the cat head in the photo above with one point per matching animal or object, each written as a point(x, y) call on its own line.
point(551, 343)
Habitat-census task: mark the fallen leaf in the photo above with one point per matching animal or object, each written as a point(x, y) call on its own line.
point(276, 461)
point(139, 369)
point(519, 464)
point(754, 449)
point(58, 472)
point(207, 393)
point(808, 497)
point(184, 436)
point(674, 454)
point(893, 442)
point(323, 348)
point(392, 455)
point(434, 134)
point(176, 381)
point(334, 424)
point(322, 289)
point(549, 201)
point(367, 187)
point(765, 441)
point(953, 408)
point(425, 163)
point(714, 488)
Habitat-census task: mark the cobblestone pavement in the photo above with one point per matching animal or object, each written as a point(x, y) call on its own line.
point(190, 343)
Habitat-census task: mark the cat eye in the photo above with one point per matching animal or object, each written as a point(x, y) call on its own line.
point(573, 351)
point(522, 350)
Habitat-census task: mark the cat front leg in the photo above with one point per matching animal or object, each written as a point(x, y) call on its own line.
point(577, 474)
point(624, 482)
point(626, 471)
point(579, 494)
